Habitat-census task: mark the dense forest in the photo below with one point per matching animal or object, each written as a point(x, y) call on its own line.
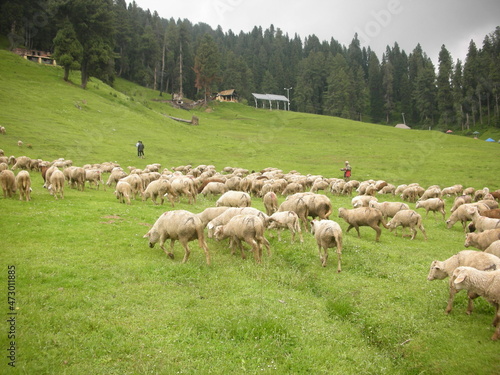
point(113, 38)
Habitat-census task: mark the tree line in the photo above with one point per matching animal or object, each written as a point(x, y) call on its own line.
point(110, 38)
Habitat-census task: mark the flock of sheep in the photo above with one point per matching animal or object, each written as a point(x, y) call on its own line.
point(233, 218)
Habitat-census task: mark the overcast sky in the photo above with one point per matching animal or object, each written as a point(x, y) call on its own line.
point(378, 23)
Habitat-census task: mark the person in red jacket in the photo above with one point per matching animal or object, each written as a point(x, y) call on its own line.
point(347, 171)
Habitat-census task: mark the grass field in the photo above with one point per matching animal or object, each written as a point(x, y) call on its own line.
point(92, 297)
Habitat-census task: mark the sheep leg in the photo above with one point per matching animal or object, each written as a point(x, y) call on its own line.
point(422, 229)
point(171, 253)
point(267, 245)
point(257, 250)
point(339, 259)
point(204, 246)
point(378, 231)
point(451, 297)
point(187, 252)
point(240, 245)
point(323, 255)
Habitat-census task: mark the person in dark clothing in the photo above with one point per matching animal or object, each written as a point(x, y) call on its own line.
point(140, 149)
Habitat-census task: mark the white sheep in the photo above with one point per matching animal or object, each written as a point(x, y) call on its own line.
point(299, 206)
point(431, 204)
point(462, 199)
point(94, 176)
point(407, 219)
point(463, 215)
point(283, 220)
point(56, 185)
point(248, 228)
point(482, 240)
point(440, 270)
point(214, 188)
point(485, 284)
point(23, 182)
point(8, 183)
point(116, 174)
point(180, 225)
point(494, 248)
point(482, 223)
point(270, 200)
point(328, 234)
point(233, 211)
point(123, 191)
point(363, 216)
point(210, 213)
point(362, 201)
point(233, 198)
point(159, 188)
point(388, 209)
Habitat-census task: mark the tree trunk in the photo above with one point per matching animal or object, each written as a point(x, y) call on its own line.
point(180, 72)
point(66, 73)
point(85, 73)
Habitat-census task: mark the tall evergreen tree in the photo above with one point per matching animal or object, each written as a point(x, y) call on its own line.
point(375, 88)
point(444, 90)
point(206, 65)
point(68, 50)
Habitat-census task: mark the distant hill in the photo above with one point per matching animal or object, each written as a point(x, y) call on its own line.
point(59, 119)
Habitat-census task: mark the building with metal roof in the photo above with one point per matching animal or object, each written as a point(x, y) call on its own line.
point(270, 99)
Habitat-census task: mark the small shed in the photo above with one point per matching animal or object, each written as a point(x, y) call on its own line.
point(402, 126)
point(227, 96)
point(270, 99)
point(490, 140)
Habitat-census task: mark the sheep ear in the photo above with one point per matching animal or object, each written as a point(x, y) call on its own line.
point(146, 235)
point(461, 277)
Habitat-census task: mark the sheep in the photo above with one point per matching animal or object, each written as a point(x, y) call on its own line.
point(292, 188)
point(159, 188)
point(2, 130)
point(328, 234)
point(180, 225)
point(210, 213)
point(299, 206)
point(412, 193)
point(20, 143)
point(440, 270)
point(94, 176)
point(318, 205)
point(389, 189)
point(407, 219)
point(452, 190)
point(462, 199)
point(482, 240)
point(22, 162)
point(116, 174)
point(56, 185)
point(362, 201)
point(494, 248)
point(432, 204)
point(248, 228)
point(233, 211)
point(123, 191)
point(285, 219)
point(135, 182)
point(76, 177)
point(8, 183)
point(270, 201)
point(363, 216)
point(214, 188)
point(319, 184)
point(482, 223)
point(463, 215)
point(388, 209)
point(233, 198)
point(491, 203)
point(431, 192)
point(484, 283)
point(23, 182)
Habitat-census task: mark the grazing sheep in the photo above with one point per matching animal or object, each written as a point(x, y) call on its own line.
point(8, 182)
point(135, 182)
point(412, 193)
point(23, 182)
point(319, 184)
point(285, 219)
point(440, 270)
point(56, 185)
point(233, 211)
point(431, 192)
point(483, 283)
point(318, 205)
point(123, 192)
point(389, 209)
point(22, 162)
point(20, 143)
point(180, 225)
point(248, 228)
point(482, 240)
point(76, 177)
point(463, 215)
point(494, 248)
point(299, 206)
point(293, 188)
point(214, 188)
point(491, 203)
point(2, 130)
point(270, 201)
point(159, 188)
point(452, 190)
point(210, 213)
point(117, 174)
point(462, 199)
point(362, 201)
point(94, 176)
point(233, 198)
point(432, 204)
point(363, 216)
point(328, 234)
point(482, 223)
point(407, 219)
point(389, 189)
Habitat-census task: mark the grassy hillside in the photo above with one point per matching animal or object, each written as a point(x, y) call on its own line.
point(91, 297)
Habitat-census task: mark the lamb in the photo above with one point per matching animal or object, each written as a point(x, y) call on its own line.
point(23, 182)
point(123, 191)
point(482, 223)
point(159, 188)
point(432, 204)
point(363, 216)
point(210, 213)
point(463, 215)
point(248, 228)
point(233, 211)
point(389, 209)
point(234, 199)
point(494, 248)
point(8, 183)
point(484, 283)
point(362, 201)
point(482, 240)
point(180, 225)
point(440, 270)
point(285, 219)
point(214, 188)
point(407, 219)
point(270, 201)
point(57, 183)
point(328, 234)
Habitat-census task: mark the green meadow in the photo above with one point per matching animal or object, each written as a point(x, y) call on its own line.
point(92, 298)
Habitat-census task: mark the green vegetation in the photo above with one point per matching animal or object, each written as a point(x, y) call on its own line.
point(93, 298)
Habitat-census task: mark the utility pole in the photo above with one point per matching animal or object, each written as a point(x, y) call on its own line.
point(288, 95)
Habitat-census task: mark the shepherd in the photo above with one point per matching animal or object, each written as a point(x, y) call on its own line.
point(347, 171)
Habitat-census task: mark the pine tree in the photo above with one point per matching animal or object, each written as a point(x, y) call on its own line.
point(68, 51)
point(444, 90)
point(375, 88)
point(206, 64)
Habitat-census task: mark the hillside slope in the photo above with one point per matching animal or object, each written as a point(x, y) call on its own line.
point(99, 124)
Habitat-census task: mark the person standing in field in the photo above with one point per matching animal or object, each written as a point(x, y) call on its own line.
point(347, 171)
point(140, 149)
